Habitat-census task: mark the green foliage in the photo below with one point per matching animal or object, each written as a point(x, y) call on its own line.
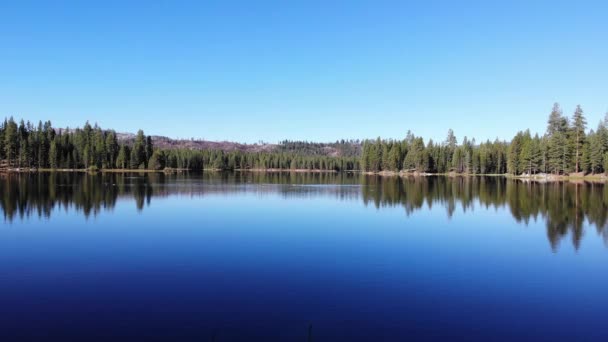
point(138, 152)
point(11, 141)
point(598, 146)
point(156, 161)
point(43, 146)
point(122, 159)
point(344, 148)
point(565, 147)
point(412, 155)
point(53, 155)
point(579, 123)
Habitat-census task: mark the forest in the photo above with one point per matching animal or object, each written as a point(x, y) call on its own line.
point(567, 147)
point(41, 147)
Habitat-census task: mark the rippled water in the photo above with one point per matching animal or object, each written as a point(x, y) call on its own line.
point(298, 257)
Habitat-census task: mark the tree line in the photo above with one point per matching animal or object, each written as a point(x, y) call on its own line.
point(565, 148)
point(24, 145)
point(344, 148)
point(413, 155)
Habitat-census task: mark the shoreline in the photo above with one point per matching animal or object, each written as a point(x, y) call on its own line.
point(286, 170)
point(536, 178)
point(34, 170)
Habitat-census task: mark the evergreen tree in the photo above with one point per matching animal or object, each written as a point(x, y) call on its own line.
point(2, 142)
point(11, 141)
point(112, 149)
point(578, 135)
point(451, 140)
point(562, 149)
point(555, 122)
point(134, 159)
point(514, 153)
point(53, 155)
point(156, 161)
point(99, 148)
point(394, 158)
point(414, 159)
point(138, 153)
point(558, 149)
point(149, 149)
point(536, 151)
point(123, 157)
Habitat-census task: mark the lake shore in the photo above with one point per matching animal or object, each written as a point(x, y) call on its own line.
point(166, 170)
point(536, 177)
point(35, 170)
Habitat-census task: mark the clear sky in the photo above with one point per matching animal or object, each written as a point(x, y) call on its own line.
point(314, 70)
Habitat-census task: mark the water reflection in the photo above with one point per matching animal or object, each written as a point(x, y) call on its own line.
point(565, 207)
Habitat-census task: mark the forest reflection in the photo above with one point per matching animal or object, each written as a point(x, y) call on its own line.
point(565, 207)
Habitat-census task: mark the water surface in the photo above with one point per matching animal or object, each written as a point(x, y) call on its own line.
point(288, 257)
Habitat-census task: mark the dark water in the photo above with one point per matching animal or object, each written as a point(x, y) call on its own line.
point(300, 257)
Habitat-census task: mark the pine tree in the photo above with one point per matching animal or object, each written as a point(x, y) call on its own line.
point(149, 149)
point(415, 157)
point(134, 159)
point(585, 159)
point(526, 157)
point(451, 140)
point(450, 143)
point(53, 155)
point(578, 135)
point(536, 160)
point(138, 153)
point(386, 146)
point(156, 161)
point(555, 121)
point(123, 157)
point(11, 141)
point(112, 149)
point(558, 149)
point(514, 152)
point(100, 157)
point(394, 158)
point(375, 156)
point(2, 142)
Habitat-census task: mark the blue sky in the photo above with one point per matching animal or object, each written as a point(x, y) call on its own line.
point(310, 70)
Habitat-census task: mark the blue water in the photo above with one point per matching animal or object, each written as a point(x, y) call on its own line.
point(205, 258)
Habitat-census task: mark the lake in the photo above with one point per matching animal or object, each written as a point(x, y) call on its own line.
point(300, 257)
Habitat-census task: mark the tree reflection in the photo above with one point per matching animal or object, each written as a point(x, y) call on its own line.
point(564, 206)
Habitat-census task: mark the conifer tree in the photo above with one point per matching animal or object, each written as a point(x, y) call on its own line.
point(578, 135)
point(11, 141)
point(53, 155)
point(123, 157)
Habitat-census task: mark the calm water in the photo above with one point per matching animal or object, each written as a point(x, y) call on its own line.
point(299, 257)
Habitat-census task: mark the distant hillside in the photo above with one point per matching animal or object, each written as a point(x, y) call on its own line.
point(343, 148)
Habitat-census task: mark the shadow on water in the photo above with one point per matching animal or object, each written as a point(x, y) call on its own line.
point(564, 206)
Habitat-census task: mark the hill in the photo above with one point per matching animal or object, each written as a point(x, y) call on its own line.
point(342, 148)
